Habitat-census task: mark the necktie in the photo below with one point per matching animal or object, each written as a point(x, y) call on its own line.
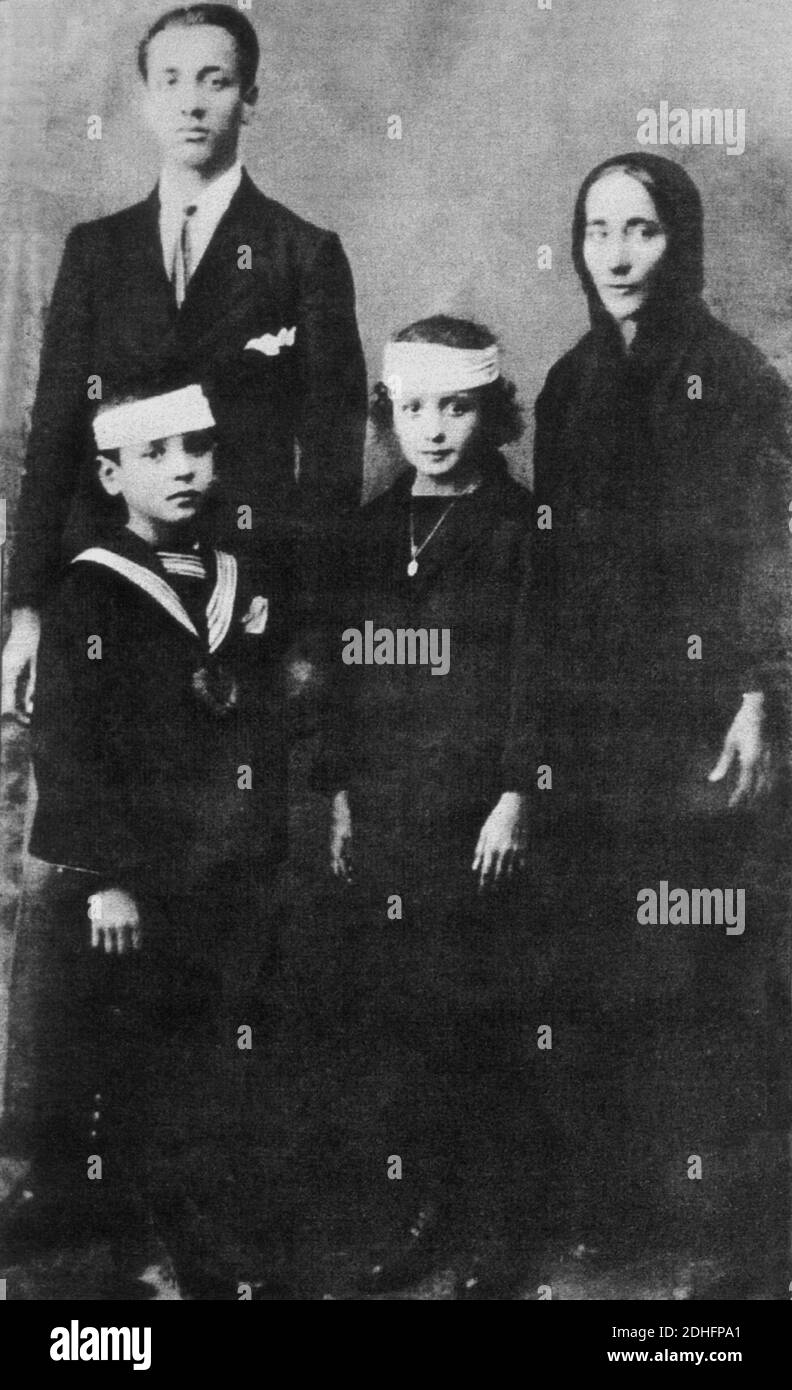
point(182, 265)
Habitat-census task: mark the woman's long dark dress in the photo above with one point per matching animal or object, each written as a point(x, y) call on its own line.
point(448, 987)
point(667, 471)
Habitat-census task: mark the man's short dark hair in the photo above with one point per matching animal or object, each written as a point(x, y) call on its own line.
point(223, 17)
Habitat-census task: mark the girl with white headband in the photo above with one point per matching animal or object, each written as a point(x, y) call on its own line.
point(430, 764)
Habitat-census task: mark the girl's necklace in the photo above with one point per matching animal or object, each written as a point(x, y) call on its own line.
point(416, 550)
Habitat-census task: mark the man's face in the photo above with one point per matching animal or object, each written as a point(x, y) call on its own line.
point(194, 102)
point(162, 481)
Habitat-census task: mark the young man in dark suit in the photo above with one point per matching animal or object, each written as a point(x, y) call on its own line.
point(206, 280)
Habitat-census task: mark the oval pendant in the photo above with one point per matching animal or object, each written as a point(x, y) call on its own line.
point(412, 568)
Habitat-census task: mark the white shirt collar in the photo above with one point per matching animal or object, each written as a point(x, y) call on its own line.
point(214, 199)
point(210, 205)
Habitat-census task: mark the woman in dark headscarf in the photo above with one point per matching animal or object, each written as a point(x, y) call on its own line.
point(662, 452)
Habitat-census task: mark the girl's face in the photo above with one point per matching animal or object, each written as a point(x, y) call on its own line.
point(437, 433)
point(624, 243)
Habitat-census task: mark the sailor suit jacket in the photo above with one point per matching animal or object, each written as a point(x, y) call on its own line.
point(158, 740)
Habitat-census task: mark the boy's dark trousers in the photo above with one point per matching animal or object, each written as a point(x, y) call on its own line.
point(136, 1057)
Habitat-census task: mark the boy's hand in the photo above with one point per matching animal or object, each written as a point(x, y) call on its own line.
point(19, 659)
point(341, 838)
point(115, 921)
point(501, 844)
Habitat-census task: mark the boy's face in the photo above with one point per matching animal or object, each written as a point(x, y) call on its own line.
point(194, 102)
point(163, 482)
point(437, 432)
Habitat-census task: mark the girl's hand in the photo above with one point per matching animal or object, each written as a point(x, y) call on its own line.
point(115, 921)
point(341, 838)
point(745, 746)
point(501, 844)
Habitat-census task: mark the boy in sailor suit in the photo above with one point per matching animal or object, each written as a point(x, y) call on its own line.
point(160, 755)
point(205, 280)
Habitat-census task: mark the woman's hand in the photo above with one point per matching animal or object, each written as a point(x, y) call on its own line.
point(115, 921)
point(501, 844)
point(746, 746)
point(341, 838)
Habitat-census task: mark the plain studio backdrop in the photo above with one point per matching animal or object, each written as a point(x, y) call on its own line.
point(503, 109)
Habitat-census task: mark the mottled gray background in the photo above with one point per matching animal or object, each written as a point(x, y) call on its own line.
point(504, 109)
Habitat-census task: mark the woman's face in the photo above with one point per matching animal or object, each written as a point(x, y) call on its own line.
point(437, 432)
point(624, 243)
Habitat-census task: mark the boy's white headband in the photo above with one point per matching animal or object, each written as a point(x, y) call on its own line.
point(431, 368)
point(138, 422)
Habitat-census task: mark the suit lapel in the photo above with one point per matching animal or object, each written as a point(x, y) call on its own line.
point(218, 283)
point(149, 295)
point(224, 306)
point(151, 242)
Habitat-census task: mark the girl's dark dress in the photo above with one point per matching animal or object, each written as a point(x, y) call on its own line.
point(667, 470)
point(425, 759)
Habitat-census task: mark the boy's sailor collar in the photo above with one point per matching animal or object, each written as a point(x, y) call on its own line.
point(141, 568)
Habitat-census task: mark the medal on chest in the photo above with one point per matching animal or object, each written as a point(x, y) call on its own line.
point(216, 688)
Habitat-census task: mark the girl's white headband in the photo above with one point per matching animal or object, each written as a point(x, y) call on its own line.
point(411, 369)
point(158, 417)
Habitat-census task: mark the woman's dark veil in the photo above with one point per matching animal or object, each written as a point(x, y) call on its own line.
point(680, 276)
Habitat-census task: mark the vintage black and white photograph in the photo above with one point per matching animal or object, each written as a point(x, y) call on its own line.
point(396, 522)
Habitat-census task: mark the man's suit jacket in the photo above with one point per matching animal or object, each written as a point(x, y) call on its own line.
point(114, 316)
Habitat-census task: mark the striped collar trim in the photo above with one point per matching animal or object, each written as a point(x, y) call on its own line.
point(188, 566)
point(219, 610)
point(220, 607)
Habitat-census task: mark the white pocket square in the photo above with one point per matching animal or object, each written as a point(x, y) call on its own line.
point(255, 620)
point(271, 343)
